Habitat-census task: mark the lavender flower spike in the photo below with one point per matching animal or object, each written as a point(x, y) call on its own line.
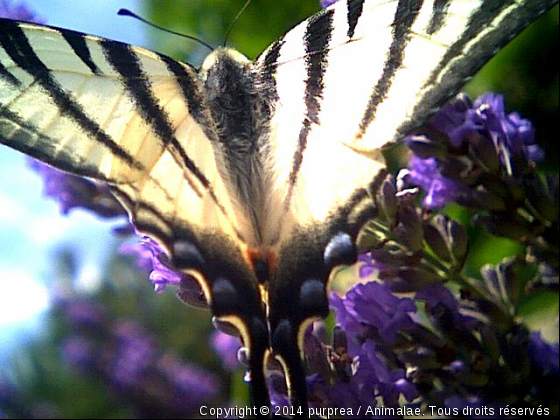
point(439, 189)
point(151, 257)
point(75, 192)
point(467, 149)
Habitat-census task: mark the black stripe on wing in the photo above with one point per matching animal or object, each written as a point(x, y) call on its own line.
point(407, 12)
point(317, 39)
point(355, 10)
point(126, 62)
point(359, 208)
point(488, 11)
point(192, 95)
point(128, 65)
point(79, 46)
point(9, 77)
point(27, 134)
point(17, 46)
point(439, 15)
point(269, 69)
point(451, 73)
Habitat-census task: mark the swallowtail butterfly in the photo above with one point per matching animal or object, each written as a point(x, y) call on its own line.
point(253, 176)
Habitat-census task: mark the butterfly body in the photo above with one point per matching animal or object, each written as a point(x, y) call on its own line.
point(255, 177)
point(291, 271)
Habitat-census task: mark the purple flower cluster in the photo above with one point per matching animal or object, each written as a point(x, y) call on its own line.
point(481, 157)
point(151, 258)
point(19, 11)
point(372, 310)
point(479, 139)
point(75, 192)
point(454, 341)
point(123, 356)
point(433, 348)
point(227, 347)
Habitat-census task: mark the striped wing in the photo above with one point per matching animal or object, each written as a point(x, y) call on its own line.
point(134, 119)
point(348, 81)
point(361, 75)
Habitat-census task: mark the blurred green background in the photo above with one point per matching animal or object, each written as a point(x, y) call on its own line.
point(526, 72)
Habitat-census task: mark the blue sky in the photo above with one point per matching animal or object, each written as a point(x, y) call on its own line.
point(31, 227)
point(97, 17)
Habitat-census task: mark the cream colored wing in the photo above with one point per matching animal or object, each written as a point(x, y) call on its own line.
point(359, 76)
point(132, 118)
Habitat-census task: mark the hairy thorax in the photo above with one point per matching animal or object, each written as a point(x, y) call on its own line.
point(240, 115)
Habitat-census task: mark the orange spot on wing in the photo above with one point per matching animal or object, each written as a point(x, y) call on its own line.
point(262, 261)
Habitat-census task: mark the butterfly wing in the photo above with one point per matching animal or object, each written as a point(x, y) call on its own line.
point(136, 120)
point(352, 79)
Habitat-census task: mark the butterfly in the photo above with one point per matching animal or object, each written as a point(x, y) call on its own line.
point(254, 177)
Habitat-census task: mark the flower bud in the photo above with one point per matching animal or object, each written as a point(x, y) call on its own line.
point(425, 148)
point(410, 232)
point(483, 150)
point(387, 199)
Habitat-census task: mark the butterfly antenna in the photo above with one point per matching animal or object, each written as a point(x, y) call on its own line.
point(126, 12)
point(230, 29)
